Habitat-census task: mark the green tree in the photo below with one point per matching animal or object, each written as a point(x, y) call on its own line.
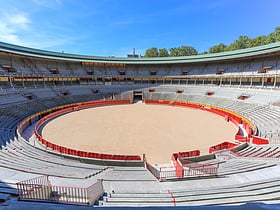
point(183, 51)
point(151, 52)
point(241, 43)
point(274, 36)
point(163, 53)
point(187, 50)
point(173, 51)
point(258, 41)
point(218, 48)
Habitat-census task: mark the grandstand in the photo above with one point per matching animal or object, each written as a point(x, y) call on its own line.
point(241, 86)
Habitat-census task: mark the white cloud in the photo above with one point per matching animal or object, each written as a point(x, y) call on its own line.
point(12, 25)
point(19, 20)
point(10, 38)
point(22, 28)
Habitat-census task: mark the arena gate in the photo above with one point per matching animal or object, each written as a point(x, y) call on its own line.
point(137, 96)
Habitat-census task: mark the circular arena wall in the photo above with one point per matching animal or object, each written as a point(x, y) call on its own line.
point(136, 129)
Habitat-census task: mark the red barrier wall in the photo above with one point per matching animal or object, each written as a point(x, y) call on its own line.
point(259, 140)
point(241, 138)
point(79, 153)
point(177, 164)
point(221, 146)
point(179, 170)
point(186, 154)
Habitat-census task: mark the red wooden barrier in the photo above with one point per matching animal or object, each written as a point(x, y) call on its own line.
point(221, 146)
point(178, 165)
point(241, 138)
point(185, 154)
point(179, 169)
point(259, 140)
point(189, 153)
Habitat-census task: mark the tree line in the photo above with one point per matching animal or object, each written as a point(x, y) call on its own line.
point(241, 43)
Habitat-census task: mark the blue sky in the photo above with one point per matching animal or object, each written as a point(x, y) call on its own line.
point(115, 27)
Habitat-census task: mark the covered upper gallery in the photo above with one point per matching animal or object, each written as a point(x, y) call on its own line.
point(256, 52)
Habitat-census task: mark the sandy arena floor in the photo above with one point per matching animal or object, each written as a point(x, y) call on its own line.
point(155, 130)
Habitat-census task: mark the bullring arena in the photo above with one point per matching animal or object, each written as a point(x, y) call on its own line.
point(74, 128)
point(139, 129)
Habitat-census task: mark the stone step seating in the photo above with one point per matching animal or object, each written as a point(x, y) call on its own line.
point(129, 175)
point(232, 166)
point(22, 159)
point(36, 153)
point(237, 166)
point(257, 191)
point(265, 152)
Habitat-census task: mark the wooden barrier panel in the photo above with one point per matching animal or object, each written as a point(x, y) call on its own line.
point(179, 169)
point(175, 158)
point(241, 138)
point(221, 146)
point(259, 140)
point(189, 153)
